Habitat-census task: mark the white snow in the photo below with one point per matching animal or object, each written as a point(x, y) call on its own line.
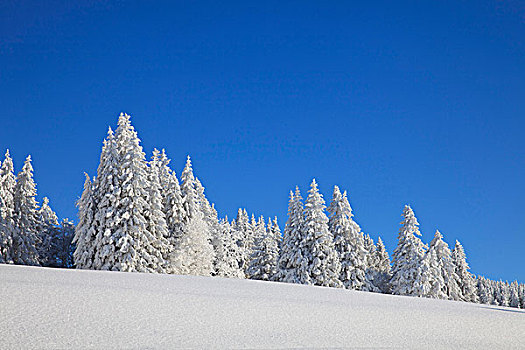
point(56, 308)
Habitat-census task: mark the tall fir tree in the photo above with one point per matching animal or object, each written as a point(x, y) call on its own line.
point(349, 243)
point(25, 238)
point(407, 268)
point(466, 280)
point(320, 259)
point(7, 209)
point(291, 255)
point(125, 240)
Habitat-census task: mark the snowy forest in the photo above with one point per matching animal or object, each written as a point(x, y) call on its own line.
point(136, 215)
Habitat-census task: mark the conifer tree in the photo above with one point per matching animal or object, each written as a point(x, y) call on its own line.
point(521, 294)
point(243, 232)
point(171, 193)
point(229, 254)
point(263, 264)
point(407, 258)
point(320, 259)
point(7, 209)
point(466, 281)
point(444, 256)
point(47, 233)
point(484, 291)
point(125, 240)
point(25, 238)
point(85, 229)
point(383, 267)
point(291, 256)
point(514, 300)
point(432, 282)
point(276, 231)
point(349, 243)
point(194, 253)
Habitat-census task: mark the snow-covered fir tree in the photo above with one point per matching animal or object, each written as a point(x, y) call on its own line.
point(7, 209)
point(276, 231)
point(444, 256)
point(349, 243)
point(371, 261)
point(194, 253)
point(485, 295)
point(263, 263)
point(291, 255)
point(521, 295)
point(229, 254)
point(125, 239)
point(502, 294)
point(47, 232)
point(432, 283)
point(244, 232)
point(210, 216)
point(171, 193)
point(407, 258)
point(25, 238)
point(514, 299)
point(383, 268)
point(466, 280)
point(85, 230)
point(320, 259)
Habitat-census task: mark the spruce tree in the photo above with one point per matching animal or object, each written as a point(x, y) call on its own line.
point(171, 193)
point(444, 256)
point(125, 239)
point(484, 291)
point(383, 267)
point(263, 264)
point(48, 234)
point(243, 232)
point(291, 255)
point(514, 300)
point(85, 230)
point(25, 238)
point(466, 281)
point(7, 209)
point(432, 282)
point(194, 253)
point(229, 254)
point(320, 260)
point(407, 258)
point(349, 243)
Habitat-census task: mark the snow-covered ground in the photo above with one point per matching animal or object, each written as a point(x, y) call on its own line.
point(54, 308)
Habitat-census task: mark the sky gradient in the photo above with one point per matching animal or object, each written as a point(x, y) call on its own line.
point(406, 103)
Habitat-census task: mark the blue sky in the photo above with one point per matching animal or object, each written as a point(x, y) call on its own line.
point(405, 102)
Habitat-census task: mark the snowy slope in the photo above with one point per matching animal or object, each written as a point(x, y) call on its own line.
point(52, 308)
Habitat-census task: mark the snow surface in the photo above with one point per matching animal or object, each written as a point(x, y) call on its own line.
point(56, 308)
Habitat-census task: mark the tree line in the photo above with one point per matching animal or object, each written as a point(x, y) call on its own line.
point(136, 215)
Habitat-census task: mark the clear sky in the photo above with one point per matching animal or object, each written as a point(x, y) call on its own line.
point(397, 102)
